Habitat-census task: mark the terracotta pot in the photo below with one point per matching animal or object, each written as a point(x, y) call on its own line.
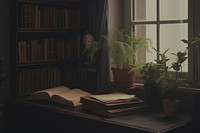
point(170, 107)
point(123, 79)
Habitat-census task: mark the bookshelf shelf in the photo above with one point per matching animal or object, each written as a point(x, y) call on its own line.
point(46, 44)
point(66, 3)
point(47, 30)
point(37, 63)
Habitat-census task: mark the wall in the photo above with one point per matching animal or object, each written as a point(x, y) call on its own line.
point(114, 15)
point(119, 15)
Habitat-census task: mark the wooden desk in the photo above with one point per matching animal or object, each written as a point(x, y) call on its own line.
point(24, 116)
point(154, 122)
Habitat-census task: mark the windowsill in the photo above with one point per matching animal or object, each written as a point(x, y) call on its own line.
point(192, 90)
point(185, 94)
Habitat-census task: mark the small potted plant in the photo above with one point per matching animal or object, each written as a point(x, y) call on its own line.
point(158, 80)
point(173, 81)
point(122, 50)
point(154, 74)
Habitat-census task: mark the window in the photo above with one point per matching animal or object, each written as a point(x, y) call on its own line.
point(165, 22)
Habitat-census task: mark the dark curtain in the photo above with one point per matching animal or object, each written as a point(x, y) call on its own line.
point(98, 11)
point(194, 29)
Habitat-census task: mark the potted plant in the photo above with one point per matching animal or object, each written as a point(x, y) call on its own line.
point(173, 81)
point(158, 79)
point(154, 74)
point(122, 50)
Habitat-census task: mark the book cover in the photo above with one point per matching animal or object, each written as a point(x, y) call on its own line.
point(87, 100)
point(114, 97)
point(112, 104)
point(114, 112)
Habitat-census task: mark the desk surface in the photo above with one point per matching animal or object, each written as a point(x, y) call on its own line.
point(151, 121)
point(147, 121)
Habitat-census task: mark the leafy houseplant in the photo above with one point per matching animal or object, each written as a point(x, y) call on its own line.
point(174, 81)
point(171, 103)
point(122, 50)
point(154, 74)
point(158, 77)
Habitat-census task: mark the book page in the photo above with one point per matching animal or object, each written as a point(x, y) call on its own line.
point(114, 97)
point(47, 93)
point(55, 90)
point(71, 97)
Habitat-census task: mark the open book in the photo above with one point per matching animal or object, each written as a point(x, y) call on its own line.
point(61, 94)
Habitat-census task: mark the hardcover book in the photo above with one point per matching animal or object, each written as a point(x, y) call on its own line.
point(114, 112)
point(87, 100)
point(112, 105)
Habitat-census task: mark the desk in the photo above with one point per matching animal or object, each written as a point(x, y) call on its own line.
point(154, 122)
point(25, 116)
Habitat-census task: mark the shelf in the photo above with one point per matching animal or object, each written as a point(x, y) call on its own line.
point(37, 63)
point(65, 3)
point(47, 30)
point(46, 43)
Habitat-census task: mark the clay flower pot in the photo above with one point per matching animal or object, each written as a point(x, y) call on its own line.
point(170, 107)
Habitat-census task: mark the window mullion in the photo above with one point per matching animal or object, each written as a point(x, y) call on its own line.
point(158, 26)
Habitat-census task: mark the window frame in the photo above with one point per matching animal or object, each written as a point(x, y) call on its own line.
point(157, 22)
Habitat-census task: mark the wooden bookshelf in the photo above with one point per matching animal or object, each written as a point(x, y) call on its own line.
point(45, 44)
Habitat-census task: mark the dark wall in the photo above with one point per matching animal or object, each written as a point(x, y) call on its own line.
point(4, 43)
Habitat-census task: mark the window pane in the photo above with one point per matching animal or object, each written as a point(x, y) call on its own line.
point(170, 37)
point(144, 10)
point(148, 31)
point(173, 9)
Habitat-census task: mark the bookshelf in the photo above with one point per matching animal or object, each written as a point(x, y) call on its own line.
point(45, 44)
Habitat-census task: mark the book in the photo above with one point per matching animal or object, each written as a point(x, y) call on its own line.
point(89, 101)
point(112, 105)
point(114, 97)
point(114, 112)
point(60, 94)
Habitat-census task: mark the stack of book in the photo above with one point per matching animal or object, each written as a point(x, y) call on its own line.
point(113, 104)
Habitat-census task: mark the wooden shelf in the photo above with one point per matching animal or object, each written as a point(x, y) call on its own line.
point(46, 43)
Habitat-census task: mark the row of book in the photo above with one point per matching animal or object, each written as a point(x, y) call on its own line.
point(37, 78)
point(31, 80)
point(48, 49)
point(113, 104)
point(37, 16)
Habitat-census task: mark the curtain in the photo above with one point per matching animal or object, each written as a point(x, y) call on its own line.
point(98, 11)
point(194, 30)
